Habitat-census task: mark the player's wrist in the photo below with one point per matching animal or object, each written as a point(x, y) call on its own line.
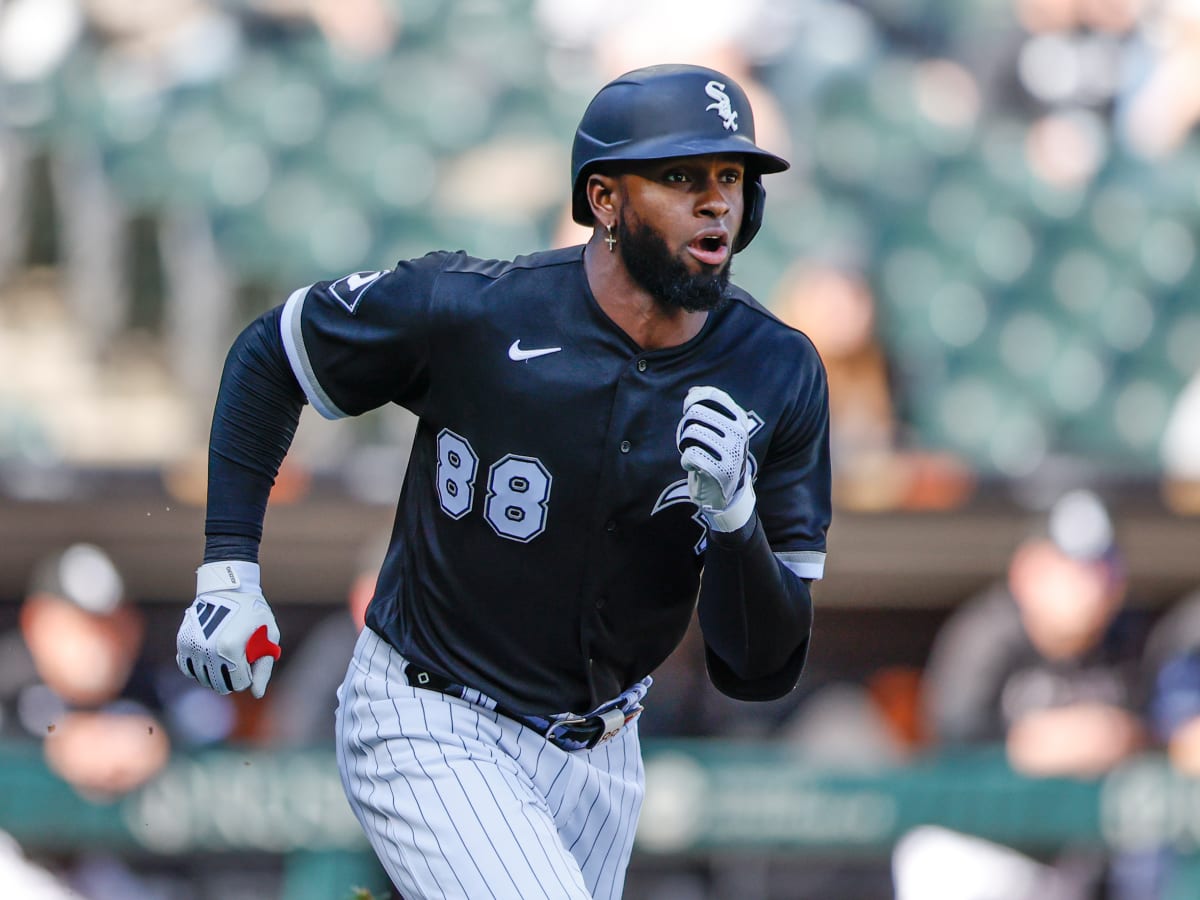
point(735, 541)
point(736, 515)
point(228, 575)
point(222, 547)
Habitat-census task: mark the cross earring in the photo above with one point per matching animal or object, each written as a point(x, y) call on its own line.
point(610, 240)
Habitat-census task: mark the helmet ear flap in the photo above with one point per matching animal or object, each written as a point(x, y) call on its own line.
point(752, 217)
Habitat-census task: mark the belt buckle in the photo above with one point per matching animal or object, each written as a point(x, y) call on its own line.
point(614, 720)
point(610, 722)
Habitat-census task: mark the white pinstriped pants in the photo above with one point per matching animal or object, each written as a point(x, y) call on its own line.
point(461, 802)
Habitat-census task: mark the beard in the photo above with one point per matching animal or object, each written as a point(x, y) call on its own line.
point(664, 276)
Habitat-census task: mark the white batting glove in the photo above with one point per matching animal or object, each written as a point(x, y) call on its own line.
point(228, 640)
point(713, 438)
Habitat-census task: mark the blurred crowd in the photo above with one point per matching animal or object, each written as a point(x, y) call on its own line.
point(986, 229)
point(86, 680)
point(1054, 665)
point(78, 679)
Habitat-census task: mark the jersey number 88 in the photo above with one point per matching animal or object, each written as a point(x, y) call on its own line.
point(518, 488)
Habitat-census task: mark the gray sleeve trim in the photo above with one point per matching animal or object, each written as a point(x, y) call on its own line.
point(293, 343)
point(805, 563)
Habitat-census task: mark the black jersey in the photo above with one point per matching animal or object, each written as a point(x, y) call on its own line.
point(545, 550)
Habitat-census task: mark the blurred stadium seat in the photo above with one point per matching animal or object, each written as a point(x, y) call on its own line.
point(310, 162)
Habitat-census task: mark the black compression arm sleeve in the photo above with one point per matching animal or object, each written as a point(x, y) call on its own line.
point(755, 615)
point(257, 411)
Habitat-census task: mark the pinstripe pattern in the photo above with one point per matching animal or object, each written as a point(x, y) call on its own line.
point(461, 802)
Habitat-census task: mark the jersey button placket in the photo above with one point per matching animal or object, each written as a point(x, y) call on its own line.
point(642, 365)
point(626, 446)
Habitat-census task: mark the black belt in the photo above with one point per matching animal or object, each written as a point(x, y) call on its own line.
point(574, 733)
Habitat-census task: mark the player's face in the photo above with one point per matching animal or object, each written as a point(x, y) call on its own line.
point(677, 225)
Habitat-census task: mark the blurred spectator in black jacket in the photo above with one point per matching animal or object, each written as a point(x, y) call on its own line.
point(74, 677)
point(1043, 662)
point(1045, 665)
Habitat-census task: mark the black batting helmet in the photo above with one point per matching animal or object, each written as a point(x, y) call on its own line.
point(661, 112)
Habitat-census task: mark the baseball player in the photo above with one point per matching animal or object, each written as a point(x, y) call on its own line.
point(611, 437)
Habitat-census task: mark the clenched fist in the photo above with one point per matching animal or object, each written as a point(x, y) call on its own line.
point(228, 640)
point(713, 439)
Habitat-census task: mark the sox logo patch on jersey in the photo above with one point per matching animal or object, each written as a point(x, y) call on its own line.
point(351, 289)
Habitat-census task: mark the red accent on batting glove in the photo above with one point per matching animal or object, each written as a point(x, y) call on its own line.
point(260, 645)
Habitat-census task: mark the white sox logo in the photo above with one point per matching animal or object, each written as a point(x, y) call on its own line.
point(723, 106)
point(350, 289)
point(677, 491)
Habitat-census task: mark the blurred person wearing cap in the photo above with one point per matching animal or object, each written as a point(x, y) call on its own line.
point(72, 676)
point(1045, 665)
point(1042, 662)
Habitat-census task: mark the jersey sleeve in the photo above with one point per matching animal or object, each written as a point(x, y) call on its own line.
point(794, 482)
point(756, 690)
point(364, 340)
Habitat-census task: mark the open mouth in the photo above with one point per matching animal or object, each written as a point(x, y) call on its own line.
point(710, 249)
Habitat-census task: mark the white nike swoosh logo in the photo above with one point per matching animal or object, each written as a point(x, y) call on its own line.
point(516, 353)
